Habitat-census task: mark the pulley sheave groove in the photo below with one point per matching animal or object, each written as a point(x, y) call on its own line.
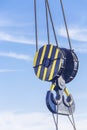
point(71, 65)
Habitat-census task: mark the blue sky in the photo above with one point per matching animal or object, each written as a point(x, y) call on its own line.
point(22, 95)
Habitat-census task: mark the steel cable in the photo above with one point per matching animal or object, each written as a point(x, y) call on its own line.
point(52, 22)
point(48, 35)
point(36, 32)
point(65, 24)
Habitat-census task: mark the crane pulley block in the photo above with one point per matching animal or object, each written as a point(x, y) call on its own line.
point(57, 65)
point(50, 62)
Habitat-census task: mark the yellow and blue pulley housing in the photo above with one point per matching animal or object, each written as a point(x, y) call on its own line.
point(48, 62)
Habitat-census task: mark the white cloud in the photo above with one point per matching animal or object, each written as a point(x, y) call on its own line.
point(16, 56)
point(8, 70)
point(36, 121)
point(33, 121)
point(80, 47)
point(76, 33)
point(20, 39)
point(81, 96)
point(6, 21)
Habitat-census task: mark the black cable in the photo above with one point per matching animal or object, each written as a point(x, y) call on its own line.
point(65, 24)
point(35, 13)
point(55, 121)
point(57, 104)
point(52, 22)
point(57, 117)
point(48, 36)
point(72, 122)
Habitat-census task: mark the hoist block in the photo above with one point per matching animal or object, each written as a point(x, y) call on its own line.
point(48, 62)
point(51, 62)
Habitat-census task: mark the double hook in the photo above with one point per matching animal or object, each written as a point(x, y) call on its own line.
point(58, 98)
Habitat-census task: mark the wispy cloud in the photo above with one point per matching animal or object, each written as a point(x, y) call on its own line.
point(35, 121)
point(81, 96)
point(80, 47)
point(7, 21)
point(16, 56)
point(76, 33)
point(8, 70)
point(16, 39)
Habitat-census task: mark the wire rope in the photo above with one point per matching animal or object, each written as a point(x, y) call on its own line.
point(48, 35)
point(62, 7)
point(56, 125)
point(72, 121)
point(36, 31)
point(52, 22)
